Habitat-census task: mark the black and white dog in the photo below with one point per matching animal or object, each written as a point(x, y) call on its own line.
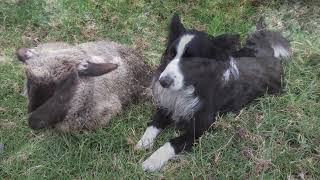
point(201, 76)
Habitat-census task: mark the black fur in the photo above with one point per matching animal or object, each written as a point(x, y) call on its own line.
point(203, 45)
point(203, 65)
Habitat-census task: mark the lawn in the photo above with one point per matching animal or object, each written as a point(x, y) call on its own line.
point(277, 137)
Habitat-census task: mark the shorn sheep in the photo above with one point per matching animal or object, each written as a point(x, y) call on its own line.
point(81, 87)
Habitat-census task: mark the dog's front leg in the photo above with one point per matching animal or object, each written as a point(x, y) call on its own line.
point(160, 120)
point(198, 125)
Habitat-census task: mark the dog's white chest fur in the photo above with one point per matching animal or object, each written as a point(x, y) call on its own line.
point(182, 103)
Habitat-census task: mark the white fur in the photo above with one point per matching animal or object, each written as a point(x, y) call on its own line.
point(182, 45)
point(181, 103)
point(280, 51)
point(159, 158)
point(146, 141)
point(231, 71)
point(82, 66)
point(25, 90)
point(30, 53)
point(173, 70)
point(226, 75)
point(97, 59)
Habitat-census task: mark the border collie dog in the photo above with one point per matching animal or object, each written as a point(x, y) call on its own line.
point(200, 76)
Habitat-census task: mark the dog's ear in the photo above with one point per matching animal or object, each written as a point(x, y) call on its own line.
point(175, 28)
point(56, 107)
point(95, 69)
point(23, 54)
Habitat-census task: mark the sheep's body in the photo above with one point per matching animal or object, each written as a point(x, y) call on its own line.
point(96, 99)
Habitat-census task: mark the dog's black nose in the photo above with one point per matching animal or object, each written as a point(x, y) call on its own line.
point(166, 81)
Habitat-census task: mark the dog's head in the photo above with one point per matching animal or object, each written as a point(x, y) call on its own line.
point(46, 69)
point(184, 44)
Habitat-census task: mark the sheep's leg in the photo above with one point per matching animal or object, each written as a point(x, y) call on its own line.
point(94, 115)
point(160, 120)
point(56, 108)
point(198, 125)
point(105, 109)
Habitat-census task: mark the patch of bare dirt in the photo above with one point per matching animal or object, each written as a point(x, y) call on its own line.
point(3, 58)
point(216, 159)
point(244, 134)
point(130, 141)
point(21, 157)
point(260, 165)
point(301, 175)
point(13, 1)
point(6, 124)
point(2, 109)
point(32, 38)
point(141, 45)
point(90, 30)
point(298, 113)
point(114, 19)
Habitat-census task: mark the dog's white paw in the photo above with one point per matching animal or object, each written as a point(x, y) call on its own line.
point(144, 144)
point(159, 158)
point(146, 141)
point(152, 164)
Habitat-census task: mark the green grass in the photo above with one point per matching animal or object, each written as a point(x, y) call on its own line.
point(276, 138)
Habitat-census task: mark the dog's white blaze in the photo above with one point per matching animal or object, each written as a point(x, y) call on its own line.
point(148, 137)
point(159, 158)
point(173, 70)
point(280, 51)
point(182, 45)
point(232, 70)
point(182, 103)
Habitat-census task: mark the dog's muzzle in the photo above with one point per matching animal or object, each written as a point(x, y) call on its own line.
point(166, 81)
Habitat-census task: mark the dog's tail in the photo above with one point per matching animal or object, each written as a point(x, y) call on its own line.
point(264, 42)
point(280, 45)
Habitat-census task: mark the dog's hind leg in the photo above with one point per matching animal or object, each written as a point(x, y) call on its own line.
point(160, 120)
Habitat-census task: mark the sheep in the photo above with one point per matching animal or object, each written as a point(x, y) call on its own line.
point(81, 87)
